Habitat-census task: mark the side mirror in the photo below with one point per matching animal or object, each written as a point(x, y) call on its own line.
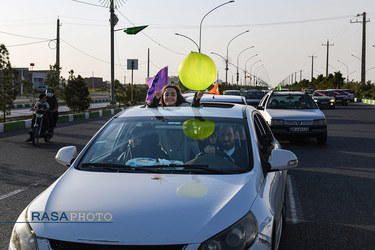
point(66, 154)
point(281, 159)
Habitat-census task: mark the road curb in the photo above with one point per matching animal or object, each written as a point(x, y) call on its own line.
point(17, 125)
point(366, 101)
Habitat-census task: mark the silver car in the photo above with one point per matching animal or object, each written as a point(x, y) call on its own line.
point(292, 113)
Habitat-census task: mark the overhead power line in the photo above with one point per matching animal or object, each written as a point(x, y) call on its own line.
point(24, 44)
point(151, 37)
point(11, 34)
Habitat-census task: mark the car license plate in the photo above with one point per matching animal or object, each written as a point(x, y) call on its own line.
point(299, 129)
point(324, 102)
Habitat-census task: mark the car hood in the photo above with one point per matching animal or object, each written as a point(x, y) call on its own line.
point(145, 208)
point(295, 114)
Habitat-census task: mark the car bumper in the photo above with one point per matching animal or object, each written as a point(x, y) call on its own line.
point(325, 104)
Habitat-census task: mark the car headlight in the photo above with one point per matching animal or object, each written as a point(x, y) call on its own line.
point(240, 235)
point(277, 122)
point(320, 122)
point(315, 100)
point(23, 237)
point(332, 100)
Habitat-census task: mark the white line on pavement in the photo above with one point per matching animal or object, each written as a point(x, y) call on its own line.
point(12, 193)
point(292, 201)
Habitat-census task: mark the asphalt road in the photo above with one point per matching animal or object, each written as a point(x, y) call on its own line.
point(330, 196)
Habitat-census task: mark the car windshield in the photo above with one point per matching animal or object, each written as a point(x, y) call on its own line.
point(253, 95)
point(291, 102)
point(171, 145)
point(232, 93)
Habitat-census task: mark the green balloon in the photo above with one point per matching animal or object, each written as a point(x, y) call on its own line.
point(197, 71)
point(198, 129)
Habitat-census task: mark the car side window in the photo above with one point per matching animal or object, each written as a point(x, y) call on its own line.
point(265, 141)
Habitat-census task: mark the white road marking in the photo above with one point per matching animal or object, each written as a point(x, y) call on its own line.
point(292, 201)
point(12, 193)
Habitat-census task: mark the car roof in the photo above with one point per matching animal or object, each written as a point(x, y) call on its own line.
point(288, 93)
point(226, 110)
point(232, 90)
point(220, 98)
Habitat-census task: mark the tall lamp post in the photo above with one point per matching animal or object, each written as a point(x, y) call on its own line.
point(347, 70)
point(356, 57)
point(178, 34)
point(226, 61)
point(238, 58)
point(200, 27)
point(255, 72)
point(351, 73)
point(246, 64)
point(251, 69)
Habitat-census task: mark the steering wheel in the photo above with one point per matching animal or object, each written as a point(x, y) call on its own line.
point(219, 153)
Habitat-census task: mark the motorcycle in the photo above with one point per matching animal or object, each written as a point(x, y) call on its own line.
point(38, 131)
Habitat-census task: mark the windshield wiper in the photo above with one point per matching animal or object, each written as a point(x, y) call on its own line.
point(153, 168)
point(119, 167)
point(188, 167)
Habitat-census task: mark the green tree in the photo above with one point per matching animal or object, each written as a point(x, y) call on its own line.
point(76, 94)
point(121, 93)
point(7, 77)
point(55, 81)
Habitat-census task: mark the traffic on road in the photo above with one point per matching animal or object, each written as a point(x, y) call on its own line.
point(327, 197)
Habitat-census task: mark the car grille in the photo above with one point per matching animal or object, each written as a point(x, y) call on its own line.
point(298, 123)
point(65, 245)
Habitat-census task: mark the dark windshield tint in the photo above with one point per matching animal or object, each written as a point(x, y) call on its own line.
point(169, 142)
point(291, 102)
point(253, 95)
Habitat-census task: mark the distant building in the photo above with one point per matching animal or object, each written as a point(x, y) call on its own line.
point(173, 79)
point(37, 77)
point(96, 83)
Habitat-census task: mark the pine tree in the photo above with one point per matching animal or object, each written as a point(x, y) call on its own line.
point(7, 77)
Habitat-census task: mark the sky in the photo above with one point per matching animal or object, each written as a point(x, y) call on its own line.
point(285, 35)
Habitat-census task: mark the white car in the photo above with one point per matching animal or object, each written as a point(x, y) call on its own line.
point(238, 99)
point(146, 181)
point(293, 113)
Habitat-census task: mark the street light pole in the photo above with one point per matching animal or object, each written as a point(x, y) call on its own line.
point(255, 70)
point(220, 56)
point(251, 69)
point(200, 26)
point(226, 61)
point(356, 57)
point(238, 58)
point(351, 73)
point(178, 34)
point(246, 64)
point(113, 23)
point(347, 70)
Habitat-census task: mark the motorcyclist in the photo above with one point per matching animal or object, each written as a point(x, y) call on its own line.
point(41, 106)
point(53, 111)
